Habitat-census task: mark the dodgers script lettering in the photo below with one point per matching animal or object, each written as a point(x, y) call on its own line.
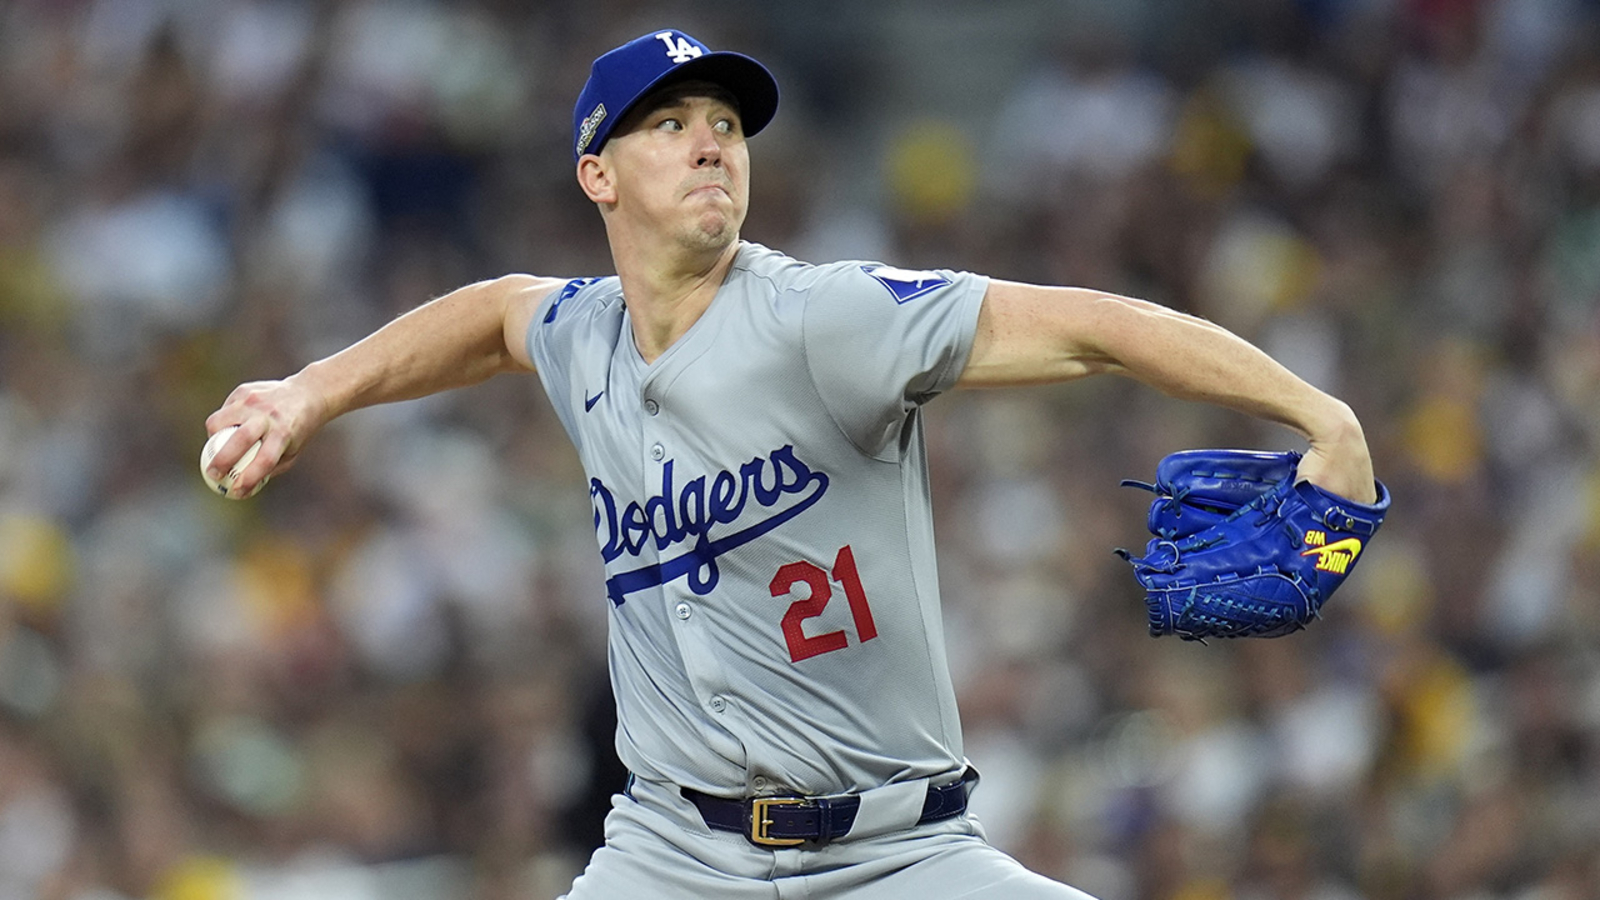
point(674, 517)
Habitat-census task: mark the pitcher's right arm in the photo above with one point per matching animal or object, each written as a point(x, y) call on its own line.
point(460, 339)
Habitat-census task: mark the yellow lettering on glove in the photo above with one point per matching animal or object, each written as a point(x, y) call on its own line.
point(1335, 557)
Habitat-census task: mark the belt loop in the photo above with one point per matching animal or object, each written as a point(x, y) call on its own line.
point(893, 807)
point(825, 819)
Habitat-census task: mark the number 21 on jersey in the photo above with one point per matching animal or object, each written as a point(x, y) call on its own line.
point(821, 587)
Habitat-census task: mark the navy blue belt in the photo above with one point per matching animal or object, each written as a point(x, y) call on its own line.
point(786, 821)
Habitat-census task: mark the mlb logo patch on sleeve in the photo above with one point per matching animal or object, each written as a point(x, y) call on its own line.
point(906, 285)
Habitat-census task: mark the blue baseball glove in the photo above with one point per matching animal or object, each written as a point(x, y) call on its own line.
point(1241, 549)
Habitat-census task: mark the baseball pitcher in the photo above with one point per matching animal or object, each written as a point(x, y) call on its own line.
point(751, 430)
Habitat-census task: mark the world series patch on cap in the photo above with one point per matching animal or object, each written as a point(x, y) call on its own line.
point(619, 79)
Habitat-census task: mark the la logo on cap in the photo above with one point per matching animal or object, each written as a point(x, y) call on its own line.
point(678, 47)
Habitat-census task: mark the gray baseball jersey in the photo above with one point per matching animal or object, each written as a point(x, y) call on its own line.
point(761, 503)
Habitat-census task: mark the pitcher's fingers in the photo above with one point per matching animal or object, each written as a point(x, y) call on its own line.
point(273, 444)
point(242, 402)
point(228, 453)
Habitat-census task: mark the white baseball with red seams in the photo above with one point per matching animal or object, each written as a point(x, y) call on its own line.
point(225, 484)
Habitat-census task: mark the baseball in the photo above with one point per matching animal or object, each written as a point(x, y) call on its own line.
point(223, 484)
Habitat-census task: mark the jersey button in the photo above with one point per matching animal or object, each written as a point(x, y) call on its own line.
point(652, 407)
point(683, 610)
point(657, 452)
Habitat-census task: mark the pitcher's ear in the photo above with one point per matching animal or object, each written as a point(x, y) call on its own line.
point(594, 176)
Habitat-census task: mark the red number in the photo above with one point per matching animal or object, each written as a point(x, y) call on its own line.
point(844, 571)
point(800, 646)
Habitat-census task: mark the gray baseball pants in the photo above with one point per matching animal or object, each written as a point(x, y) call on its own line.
point(658, 846)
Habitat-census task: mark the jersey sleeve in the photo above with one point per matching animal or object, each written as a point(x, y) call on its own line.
point(548, 342)
point(881, 341)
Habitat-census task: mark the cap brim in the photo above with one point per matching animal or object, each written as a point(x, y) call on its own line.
point(749, 81)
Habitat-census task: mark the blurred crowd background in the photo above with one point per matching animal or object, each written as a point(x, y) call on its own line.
point(384, 677)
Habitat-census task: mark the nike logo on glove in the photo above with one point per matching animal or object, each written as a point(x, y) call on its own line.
point(1337, 556)
point(589, 402)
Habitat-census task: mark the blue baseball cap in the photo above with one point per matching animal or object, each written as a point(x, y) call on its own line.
point(621, 78)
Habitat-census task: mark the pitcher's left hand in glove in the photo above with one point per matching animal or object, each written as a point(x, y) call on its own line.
point(1241, 549)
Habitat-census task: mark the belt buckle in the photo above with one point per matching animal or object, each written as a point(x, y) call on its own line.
point(759, 823)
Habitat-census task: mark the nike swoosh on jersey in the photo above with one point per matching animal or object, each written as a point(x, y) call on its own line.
point(589, 402)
